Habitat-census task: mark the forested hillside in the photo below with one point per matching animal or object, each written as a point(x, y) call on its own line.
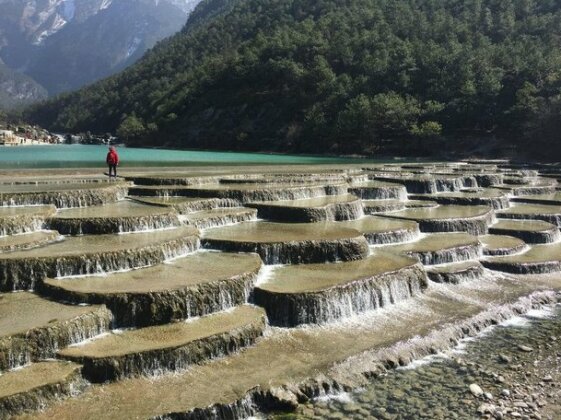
point(338, 76)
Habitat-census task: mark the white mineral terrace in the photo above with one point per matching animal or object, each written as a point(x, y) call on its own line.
point(224, 292)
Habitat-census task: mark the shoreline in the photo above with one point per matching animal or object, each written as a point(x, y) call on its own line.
point(509, 370)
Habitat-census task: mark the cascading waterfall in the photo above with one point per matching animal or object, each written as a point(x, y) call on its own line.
point(43, 343)
point(84, 328)
point(346, 211)
point(93, 226)
point(241, 409)
point(459, 275)
point(205, 204)
point(291, 193)
point(357, 179)
point(392, 237)
point(185, 181)
point(396, 192)
point(336, 303)
point(534, 190)
point(176, 358)
point(39, 397)
point(297, 252)
point(66, 199)
point(539, 267)
point(243, 196)
point(349, 210)
point(488, 180)
point(139, 309)
point(472, 225)
point(332, 308)
point(148, 223)
point(451, 335)
point(224, 219)
point(21, 224)
point(13, 355)
point(24, 273)
point(469, 182)
point(448, 255)
point(453, 184)
point(378, 361)
point(497, 203)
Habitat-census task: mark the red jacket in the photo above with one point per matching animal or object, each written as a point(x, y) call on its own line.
point(112, 158)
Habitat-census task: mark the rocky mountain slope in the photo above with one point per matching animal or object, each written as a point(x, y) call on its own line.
point(65, 44)
point(17, 89)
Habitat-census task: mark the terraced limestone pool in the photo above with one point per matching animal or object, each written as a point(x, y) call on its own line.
point(230, 292)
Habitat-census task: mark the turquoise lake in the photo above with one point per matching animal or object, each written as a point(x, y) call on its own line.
point(73, 156)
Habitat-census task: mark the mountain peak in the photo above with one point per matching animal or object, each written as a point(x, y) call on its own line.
point(65, 44)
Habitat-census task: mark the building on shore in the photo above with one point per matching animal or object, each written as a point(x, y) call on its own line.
point(26, 138)
point(7, 137)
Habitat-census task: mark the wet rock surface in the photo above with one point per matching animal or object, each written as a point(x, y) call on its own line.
point(94, 254)
point(171, 347)
point(330, 208)
point(488, 378)
point(283, 243)
point(537, 259)
point(219, 217)
point(470, 219)
point(319, 293)
point(383, 231)
point(29, 388)
point(62, 195)
point(529, 231)
point(191, 286)
point(456, 272)
point(28, 240)
point(441, 248)
point(121, 217)
point(501, 245)
point(15, 220)
point(33, 328)
point(359, 270)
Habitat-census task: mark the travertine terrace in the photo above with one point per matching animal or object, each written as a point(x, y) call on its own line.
point(223, 292)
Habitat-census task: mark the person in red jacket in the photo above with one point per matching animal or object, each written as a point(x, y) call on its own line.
point(112, 161)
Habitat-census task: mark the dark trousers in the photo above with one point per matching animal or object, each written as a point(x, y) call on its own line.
point(113, 169)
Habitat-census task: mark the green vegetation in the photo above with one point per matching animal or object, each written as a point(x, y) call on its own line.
point(340, 76)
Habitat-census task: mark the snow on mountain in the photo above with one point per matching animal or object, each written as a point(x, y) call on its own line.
point(65, 44)
point(186, 5)
point(105, 4)
point(68, 10)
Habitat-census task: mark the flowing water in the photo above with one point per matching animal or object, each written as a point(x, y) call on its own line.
point(144, 283)
point(437, 387)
